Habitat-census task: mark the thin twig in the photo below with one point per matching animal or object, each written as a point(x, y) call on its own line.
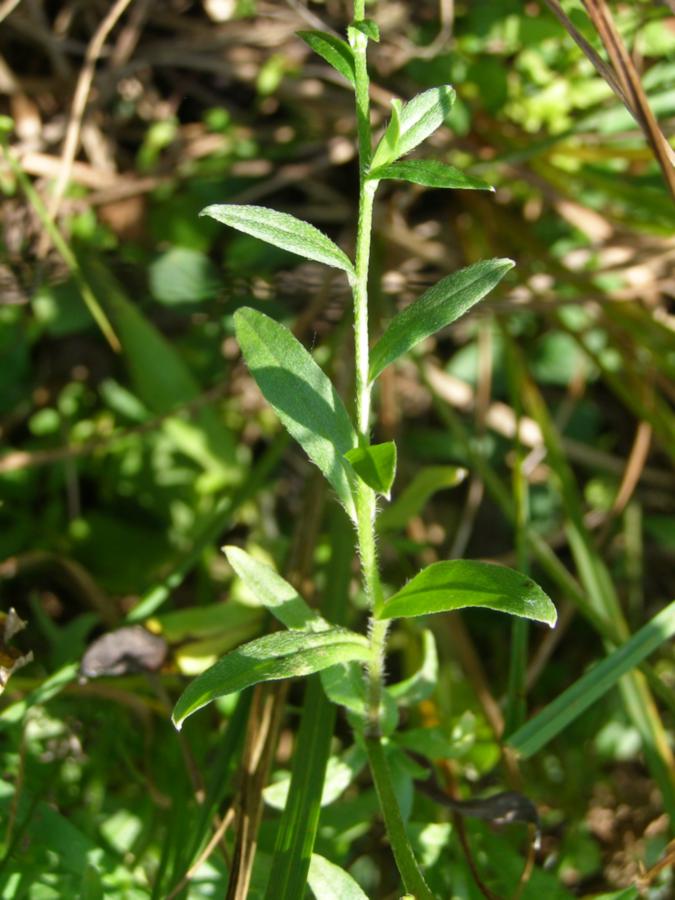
point(80, 98)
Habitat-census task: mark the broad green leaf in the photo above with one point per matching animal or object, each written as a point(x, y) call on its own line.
point(423, 683)
point(345, 685)
point(281, 230)
point(302, 395)
point(415, 496)
point(368, 27)
point(160, 377)
point(182, 275)
point(430, 173)
point(334, 50)
point(419, 118)
point(441, 305)
point(340, 773)
point(376, 465)
point(536, 733)
point(273, 591)
point(444, 586)
point(329, 882)
point(286, 654)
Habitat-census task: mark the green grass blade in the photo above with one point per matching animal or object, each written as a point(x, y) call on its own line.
point(298, 826)
point(591, 686)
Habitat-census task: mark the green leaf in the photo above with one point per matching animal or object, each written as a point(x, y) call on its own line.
point(419, 118)
point(345, 685)
point(302, 395)
point(444, 586)
point(414, 497)
point(341, 771)
point(273, 591)
point(159, 375)
point(281, 230)
point(423, 683)
point(286, 654)
point(536, 733)
point(329, 882)
point(368, 27)
point(429, 173)
point(182, 275)
point(441, 305)
point(376, 465)
point(334, 50)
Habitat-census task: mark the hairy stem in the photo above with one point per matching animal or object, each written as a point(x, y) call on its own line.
point(365, 496)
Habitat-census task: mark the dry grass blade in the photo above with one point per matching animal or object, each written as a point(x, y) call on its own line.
point(630, 81)
point(622, 77)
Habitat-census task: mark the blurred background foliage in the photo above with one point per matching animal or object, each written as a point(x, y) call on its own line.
point(123, 470)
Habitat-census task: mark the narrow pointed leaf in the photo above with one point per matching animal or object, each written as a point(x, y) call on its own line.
point(430, 173)
point(445, 586)
point(419, 118)
point(329, 882)
point(302, 395)
point(368, 27)
point(441, 305)
point(414, 497)
point(536, 733)
point(286, 654)
point(376, 465)
point(273, 591)
point(334, 50)
point(281, 230)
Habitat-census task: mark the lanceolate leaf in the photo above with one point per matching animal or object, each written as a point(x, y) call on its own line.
point(429, 173)
point(376, 465)
point(335, 51)
point(302, 395)
point(418, 119)
point(286, 654)
point(441, 305)
point(445, 586)
point(273, 591)
point(281, 230)
point(368, 27)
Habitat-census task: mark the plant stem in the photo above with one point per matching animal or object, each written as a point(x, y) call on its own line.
point(406, 863)
point(365, 496)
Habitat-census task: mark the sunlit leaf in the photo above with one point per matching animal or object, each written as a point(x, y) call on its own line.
point(418, 118)
point(273, 591)
point(456, 584)
point(302, 395)
point(286, 654)
point(423, 682)
point(441, 305)
point(329, 882)
point(281, 230)
point(334, 50)
point(430, 173)
point(375, 465)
